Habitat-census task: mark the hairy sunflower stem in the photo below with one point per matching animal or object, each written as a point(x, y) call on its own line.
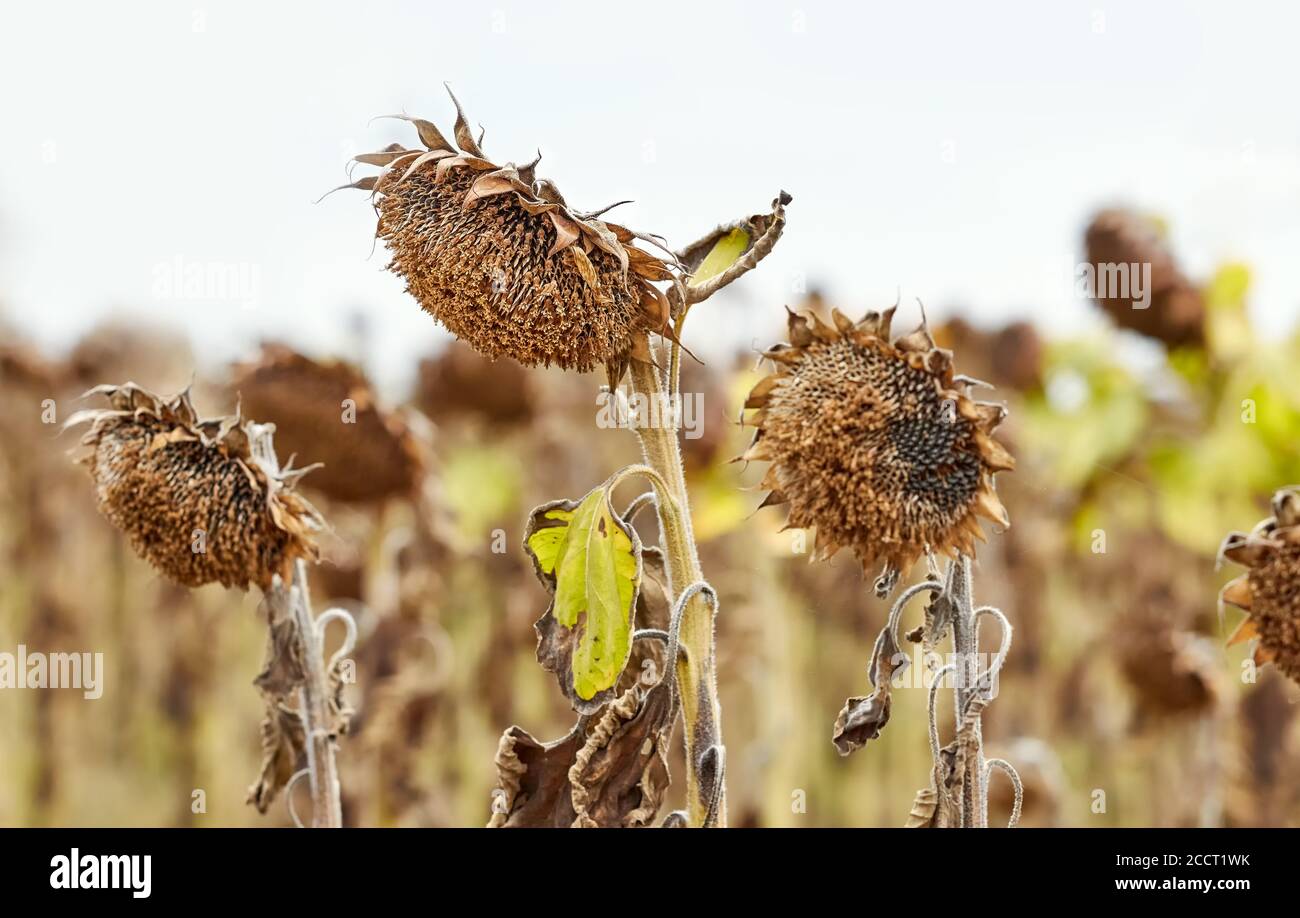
point(696, 675)
point(966, 646)
point(327, 811)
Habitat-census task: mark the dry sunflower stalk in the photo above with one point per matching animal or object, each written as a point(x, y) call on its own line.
point(877, 444)
point(498, 256)
point(205, 500)
point(1269, 592)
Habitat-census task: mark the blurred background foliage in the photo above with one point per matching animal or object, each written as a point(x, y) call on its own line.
point(1120, 703)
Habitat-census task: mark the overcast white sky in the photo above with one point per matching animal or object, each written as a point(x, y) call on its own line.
point(954, 150)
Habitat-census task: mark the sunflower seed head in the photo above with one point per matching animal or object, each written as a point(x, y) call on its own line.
point(326, 412)
point(1175, 314)
point(203, 500)
point(1270, 589)
point(499, 258)
point(875, 444)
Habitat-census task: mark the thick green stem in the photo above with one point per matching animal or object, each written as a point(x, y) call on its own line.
point(696, 672)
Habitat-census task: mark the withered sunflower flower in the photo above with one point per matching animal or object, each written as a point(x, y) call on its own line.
point(366, 454)
point(1270, 590)
point(875, 443)
point(1176, 313)
point(202, 500)
point(497, 256)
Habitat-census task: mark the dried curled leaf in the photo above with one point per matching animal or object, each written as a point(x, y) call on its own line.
point(727, 252)
point(284, 753)
point(620, 776)
point(863, 717)
point(608, 772)
point(924, 809)
point(647, 663)
point(939, 805)
point(284, 672)
point(533, 780)
point(590, 560)
point(284, 668)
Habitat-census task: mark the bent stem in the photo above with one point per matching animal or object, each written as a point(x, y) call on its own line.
point(696, 671)
point(313, 703)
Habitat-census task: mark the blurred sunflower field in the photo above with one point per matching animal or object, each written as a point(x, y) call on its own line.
point(1121, 703)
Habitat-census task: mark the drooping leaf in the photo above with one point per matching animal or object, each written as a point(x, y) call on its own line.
point(532, 789)
point(863, 717)
point(610, 771)
point(284, 751)
point(620, 776)
point(591, 562)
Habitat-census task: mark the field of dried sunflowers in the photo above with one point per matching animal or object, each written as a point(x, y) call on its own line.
point(492, 603)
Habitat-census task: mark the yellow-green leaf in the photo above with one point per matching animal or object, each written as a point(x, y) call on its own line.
point(725, 252)
point(591, 562)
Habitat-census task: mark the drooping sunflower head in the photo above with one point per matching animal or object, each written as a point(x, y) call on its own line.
point(875, 443)
point(497, 256)
point(1125, 248)
point(325, 412)
point(1269, 591)
point(202, 500)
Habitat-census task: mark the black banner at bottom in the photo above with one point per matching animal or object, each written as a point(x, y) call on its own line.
point(257, 867)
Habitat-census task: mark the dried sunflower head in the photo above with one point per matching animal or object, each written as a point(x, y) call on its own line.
point(159, 357)
point(1170, 671)
point(1176, 312)
point(461, 383)
point(498, 257)
point(875, 443)
point(326, 412)
point(1270, 590)
point(203, 500)
point(1009, 357)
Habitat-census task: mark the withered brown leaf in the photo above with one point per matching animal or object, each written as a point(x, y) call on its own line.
point(863, 717)
point(609, 771)
point(284, 753)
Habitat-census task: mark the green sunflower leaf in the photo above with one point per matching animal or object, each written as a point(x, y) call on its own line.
point(590, 560)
